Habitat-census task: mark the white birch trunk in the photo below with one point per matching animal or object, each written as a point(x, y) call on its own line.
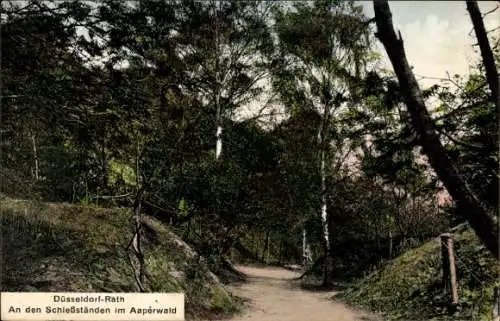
point(324, 219)
point(304, 242)
point(218, 117)
point(218, 146)
point(328, 264)
point(306, 249)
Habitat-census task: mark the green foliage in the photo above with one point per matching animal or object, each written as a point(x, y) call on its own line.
point(467, 123)
point(121, 172)
point(410, 286)
point(145, 119)
point(182, 208)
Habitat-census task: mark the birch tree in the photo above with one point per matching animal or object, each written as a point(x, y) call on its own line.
point(222, 44)
point(319, 54)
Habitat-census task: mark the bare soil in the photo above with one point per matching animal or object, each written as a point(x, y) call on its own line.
point(274, 295)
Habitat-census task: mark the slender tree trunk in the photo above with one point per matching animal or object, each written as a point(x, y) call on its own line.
point(390, 245)
point(486, 52)
point(306, 249)
point(134, 248)
point(323, 201)
point(322, 143)
point(218, 146)
point(35, 157)
point(484, 223)
point(280, 251)
point(87, 195)
point(104, 165)
point(218, 119)
point(327, 281)
point(377, 241)
point(304, 244)
point(255, 246)
point(266, 248)
point(137, 164)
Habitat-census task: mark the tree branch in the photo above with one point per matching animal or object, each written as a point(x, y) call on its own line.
point(486, 53)
point(471, 207)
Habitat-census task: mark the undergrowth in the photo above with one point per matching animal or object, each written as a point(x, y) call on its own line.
point(410, 287)
point(62, 247)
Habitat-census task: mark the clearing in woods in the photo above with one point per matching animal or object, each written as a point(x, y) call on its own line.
point(275, 296)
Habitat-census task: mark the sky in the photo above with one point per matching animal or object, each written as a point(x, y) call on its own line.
point(436, 34)
point(437, 38)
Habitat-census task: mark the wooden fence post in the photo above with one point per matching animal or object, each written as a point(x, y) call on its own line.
point(449, 268)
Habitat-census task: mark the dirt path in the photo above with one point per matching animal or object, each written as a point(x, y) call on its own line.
point(274, 296)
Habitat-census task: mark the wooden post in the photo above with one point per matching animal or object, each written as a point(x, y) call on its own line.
point(449, 269)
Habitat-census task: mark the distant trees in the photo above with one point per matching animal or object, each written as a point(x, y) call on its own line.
point(320, 55)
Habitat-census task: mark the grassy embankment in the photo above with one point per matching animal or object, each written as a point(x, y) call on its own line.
point(62, 247)
point(410, 286)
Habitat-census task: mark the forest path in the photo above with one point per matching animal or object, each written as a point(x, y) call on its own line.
point(274, 295)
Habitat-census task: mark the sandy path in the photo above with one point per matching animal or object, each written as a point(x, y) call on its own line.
point(274, 297)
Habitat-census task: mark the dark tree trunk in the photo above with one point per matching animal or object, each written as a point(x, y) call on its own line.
point(227, 242)
point(390, 245)
point(379, 246)
point(35, 158)
point(246, 253)
point(470, 206)
point(280, 251)
point(486, 53)
point(487, 56)
point(266, 248)
point(104, 166)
